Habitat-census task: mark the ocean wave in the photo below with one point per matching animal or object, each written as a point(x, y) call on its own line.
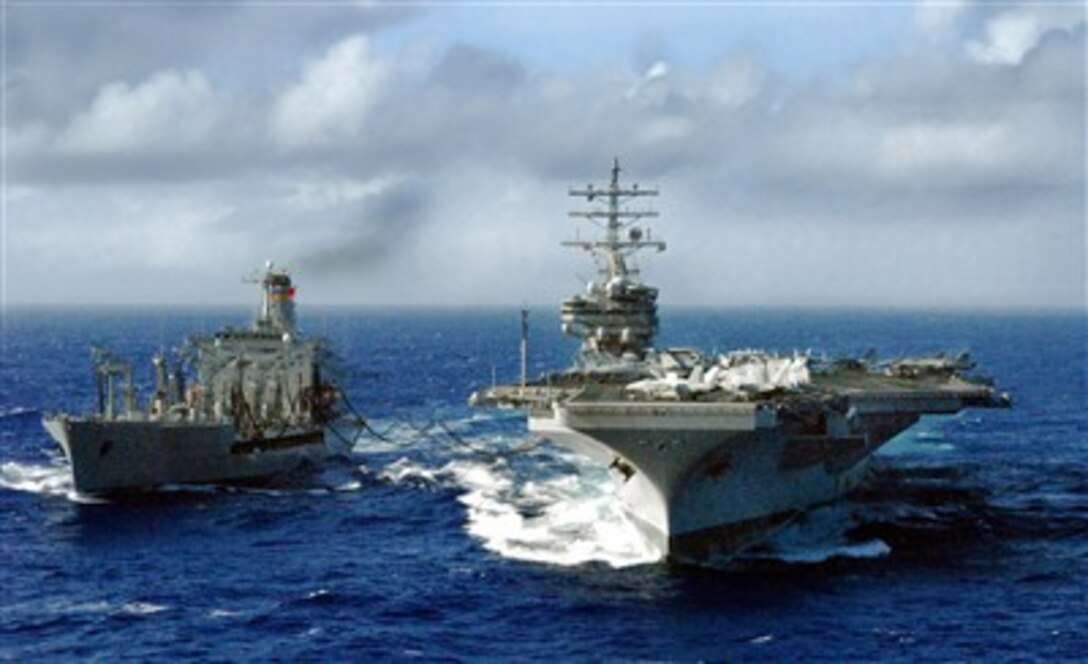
point(55, 479)
point(929, 439)
point(818, 536)
point(139, 608)
point(874, 548)
point(100, 606)
point(560, 508)
point(15, 412)
point(134, 607)
point(565, 520)
point(404, 470)
point(49, 480)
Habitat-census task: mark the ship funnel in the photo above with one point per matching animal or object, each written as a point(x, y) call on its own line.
point(277, 314)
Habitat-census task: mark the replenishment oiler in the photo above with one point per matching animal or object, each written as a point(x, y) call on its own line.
point(259, 405)
point(712, 453)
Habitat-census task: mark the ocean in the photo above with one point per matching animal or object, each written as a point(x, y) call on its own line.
point(454, 535)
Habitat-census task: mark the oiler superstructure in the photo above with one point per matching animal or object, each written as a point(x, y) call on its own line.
point(258, 405)
point(710, 453)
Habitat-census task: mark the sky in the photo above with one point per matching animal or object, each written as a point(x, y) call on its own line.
point(844, 154)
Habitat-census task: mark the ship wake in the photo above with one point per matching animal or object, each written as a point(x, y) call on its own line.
point(819, 536)
point(54, 479)
point(528, 501)
point(540, 503)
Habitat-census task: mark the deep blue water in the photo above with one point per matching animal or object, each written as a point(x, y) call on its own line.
point(463, 540)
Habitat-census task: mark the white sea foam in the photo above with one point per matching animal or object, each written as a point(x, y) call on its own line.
point(571, 516)
point(371, 445)
point(15, 411)
point(141, 608)
point(48, 480)
point(874, 548)
point(188, 488)
point(568, 519)
point(81, 607)
point(571, 519)
point(405, 470)
point(133, 608)
point(818, 536)
point(559, 518)
point(926, 438)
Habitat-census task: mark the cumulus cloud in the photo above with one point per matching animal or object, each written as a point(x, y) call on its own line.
point(330, 102)
point(735, 84)
point(61, 53)
point(1013, 32)
point(907, 151)
point(936, 19)
point(83, 245)
point(409, 159)
point(171, 110)
point(472, 71)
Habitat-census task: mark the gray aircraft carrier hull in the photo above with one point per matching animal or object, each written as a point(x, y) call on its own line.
point(703, 480)
point(118, 456)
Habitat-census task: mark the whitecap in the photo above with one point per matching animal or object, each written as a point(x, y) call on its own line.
point(82, 607)
point(817, 536)
point(533, 513)
point(565, 520)
point(926, 438)
point(874, 548)
point(51, 480)
point(188, 488)
point(16, 411)
point(405, 469)
point(141, 608)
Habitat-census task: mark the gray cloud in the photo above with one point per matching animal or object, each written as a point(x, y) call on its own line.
point(304, 135)
point(369, 235)
point(68, 52)
point(468, 70)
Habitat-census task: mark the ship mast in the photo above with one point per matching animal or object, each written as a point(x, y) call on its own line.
point(614, 249)
point(617, 316)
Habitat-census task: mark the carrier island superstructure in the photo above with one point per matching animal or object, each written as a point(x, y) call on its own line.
point(711, 453)
point(258, 406)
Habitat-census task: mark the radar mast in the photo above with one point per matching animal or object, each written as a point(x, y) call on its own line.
point(617, 315)
point(613, 250)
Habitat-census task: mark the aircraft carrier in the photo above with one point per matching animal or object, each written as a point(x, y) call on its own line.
point(710, 453)
point(259, 406)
